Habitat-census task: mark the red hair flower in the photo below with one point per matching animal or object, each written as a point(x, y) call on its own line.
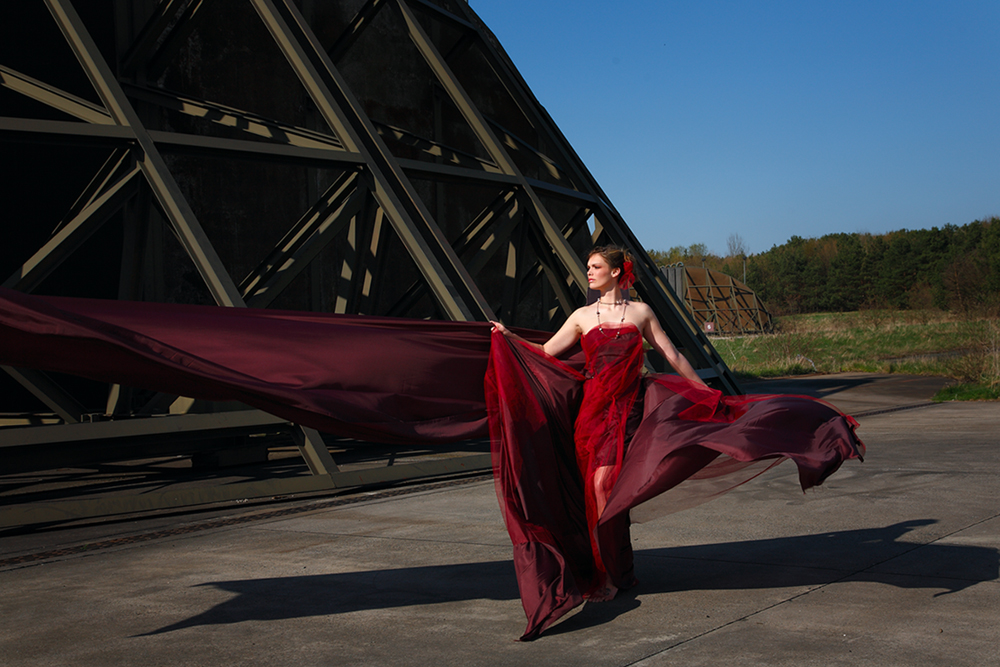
point(626, 277)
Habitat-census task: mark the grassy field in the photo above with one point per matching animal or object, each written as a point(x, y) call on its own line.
point(876, 341)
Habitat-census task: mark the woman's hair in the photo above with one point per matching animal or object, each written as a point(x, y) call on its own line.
point(617, 257)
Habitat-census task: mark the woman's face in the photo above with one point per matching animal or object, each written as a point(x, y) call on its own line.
point(600, 275)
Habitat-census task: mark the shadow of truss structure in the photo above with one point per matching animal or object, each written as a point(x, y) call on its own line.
point(379, 157)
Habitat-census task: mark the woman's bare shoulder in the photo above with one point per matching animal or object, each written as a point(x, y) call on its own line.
point(641, 308)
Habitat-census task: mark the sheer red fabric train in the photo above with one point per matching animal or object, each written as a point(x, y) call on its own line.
point(380, 379)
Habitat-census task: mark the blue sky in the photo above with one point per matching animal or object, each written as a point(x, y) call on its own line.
point(702, 119)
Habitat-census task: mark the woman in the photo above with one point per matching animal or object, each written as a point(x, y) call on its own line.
point(632, 437)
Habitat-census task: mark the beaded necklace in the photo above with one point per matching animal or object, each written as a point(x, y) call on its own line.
point(624, 305)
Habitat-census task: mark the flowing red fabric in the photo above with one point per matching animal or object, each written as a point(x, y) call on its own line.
point(553, 424)
point(689, 443)
point(371, 378)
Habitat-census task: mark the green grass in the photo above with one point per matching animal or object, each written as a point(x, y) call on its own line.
point(968, 392)
point(912, 342)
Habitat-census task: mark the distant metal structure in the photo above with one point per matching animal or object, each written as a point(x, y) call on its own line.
point(375, 157)
point(719, 303)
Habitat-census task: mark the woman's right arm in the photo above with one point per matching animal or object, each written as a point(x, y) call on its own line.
point(560, 341)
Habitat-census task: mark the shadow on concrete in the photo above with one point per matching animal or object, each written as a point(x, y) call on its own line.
point(909, 388)
point(817, 386)
point(874, 555)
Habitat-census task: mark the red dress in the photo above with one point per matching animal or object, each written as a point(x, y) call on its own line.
point(661, 437)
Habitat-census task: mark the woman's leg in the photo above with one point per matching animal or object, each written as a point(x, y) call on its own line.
point(606, 590)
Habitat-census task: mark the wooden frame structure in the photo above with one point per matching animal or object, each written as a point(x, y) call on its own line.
point(719, 303)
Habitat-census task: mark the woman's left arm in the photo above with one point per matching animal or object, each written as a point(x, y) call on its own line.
point(657, 337)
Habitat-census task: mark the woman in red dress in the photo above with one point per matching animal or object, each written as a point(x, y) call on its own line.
point(575, 452)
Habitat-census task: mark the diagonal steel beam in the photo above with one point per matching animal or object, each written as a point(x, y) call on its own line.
point(168, 194)
point(482, 237)
point(482, 223)
point(549, 261)
point(368, 265)
point(376, 261)
point(54, 97)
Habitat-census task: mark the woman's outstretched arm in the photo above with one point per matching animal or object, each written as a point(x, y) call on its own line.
point(560, 341)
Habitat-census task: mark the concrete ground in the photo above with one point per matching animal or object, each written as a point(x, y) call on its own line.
point(893, 561)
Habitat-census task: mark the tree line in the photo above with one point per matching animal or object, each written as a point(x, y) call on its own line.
point(949, 268)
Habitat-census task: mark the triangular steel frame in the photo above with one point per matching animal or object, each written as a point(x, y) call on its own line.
point(527, 241)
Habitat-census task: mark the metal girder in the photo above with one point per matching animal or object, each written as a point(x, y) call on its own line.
point(376, 265)
point(548, 259)
point(53, 97)
point(191, 144)
point(453, 288)
point(298, 145)
point(63, 132)
point(449, 173)
point(314, 451)
point(302, 230)
point(479, 241)
point(365, 237)
point(168, 194)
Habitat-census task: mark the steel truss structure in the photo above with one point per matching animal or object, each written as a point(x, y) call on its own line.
point(360, 156)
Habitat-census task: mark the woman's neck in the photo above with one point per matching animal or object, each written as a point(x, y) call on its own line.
point(611, 297)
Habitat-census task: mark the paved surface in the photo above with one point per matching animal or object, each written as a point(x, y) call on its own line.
point(893, 562)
